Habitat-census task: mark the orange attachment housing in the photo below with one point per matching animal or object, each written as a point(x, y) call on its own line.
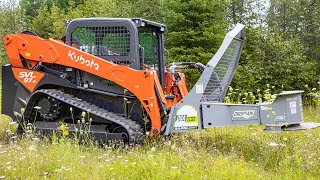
point(175, 87)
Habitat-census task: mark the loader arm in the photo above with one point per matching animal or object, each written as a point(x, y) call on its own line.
point(144, 84)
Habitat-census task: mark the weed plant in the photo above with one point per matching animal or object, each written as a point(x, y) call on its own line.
point(312, 96)
point(238, 96)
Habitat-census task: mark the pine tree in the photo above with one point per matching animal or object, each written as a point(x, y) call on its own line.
point(195, 29)
point(11, 21)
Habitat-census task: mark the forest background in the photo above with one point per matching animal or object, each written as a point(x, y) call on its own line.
point(282, 36)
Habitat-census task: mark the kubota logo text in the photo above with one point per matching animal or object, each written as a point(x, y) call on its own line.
point(90, 63)
point(27, 77)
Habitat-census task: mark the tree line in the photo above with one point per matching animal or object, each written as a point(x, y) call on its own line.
point(282, 45)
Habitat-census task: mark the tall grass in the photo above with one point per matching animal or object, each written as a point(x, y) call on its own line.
point(244, 152)
point(0, 91)
point(220, 153)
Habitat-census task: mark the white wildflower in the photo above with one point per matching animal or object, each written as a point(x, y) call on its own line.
point(36, 139)
point(273, 144)
point(83, 114)
point(31, 148)
point(37, 107)
point(153, 149)
point(57, 170)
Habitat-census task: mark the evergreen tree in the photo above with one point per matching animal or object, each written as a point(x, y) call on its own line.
point(30, 8)
point(42, 24)
point(273, 52)
point(275, 60)
point(148, 9)
point(298, 19)
point(195, 29)
point(11, 21)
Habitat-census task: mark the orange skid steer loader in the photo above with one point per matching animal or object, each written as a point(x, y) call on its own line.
point(112, 71)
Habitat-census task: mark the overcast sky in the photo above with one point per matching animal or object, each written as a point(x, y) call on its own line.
point(3, 2)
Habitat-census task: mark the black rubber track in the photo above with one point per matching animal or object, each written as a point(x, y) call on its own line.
point(134, 130)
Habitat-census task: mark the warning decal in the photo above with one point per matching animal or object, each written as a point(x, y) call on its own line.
point(293, 107)
point(186, 118)
point(199, 88)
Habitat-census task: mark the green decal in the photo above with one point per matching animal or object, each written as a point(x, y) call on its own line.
point(192, 119)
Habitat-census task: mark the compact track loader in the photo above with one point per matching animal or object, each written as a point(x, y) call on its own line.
point(112, 71)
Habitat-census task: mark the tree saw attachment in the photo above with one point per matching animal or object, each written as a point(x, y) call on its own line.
point(203, 106)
